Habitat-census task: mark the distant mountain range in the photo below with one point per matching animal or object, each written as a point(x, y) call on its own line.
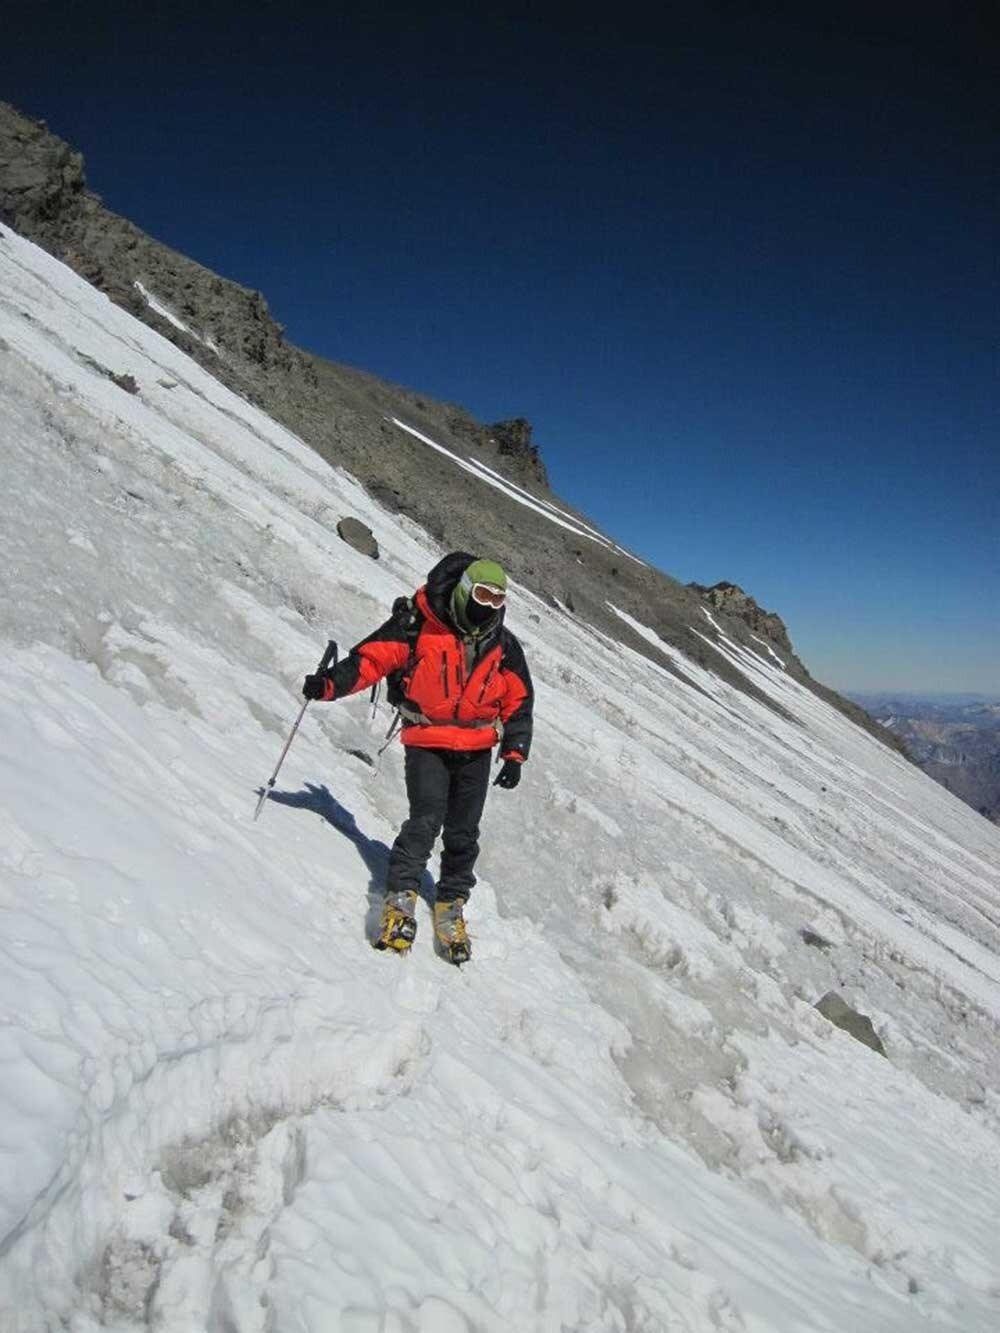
point(955, 738)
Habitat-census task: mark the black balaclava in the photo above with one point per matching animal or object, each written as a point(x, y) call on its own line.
point(476, 614)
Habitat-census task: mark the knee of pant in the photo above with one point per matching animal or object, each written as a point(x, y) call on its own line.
point(424, 828)
point(461, 838)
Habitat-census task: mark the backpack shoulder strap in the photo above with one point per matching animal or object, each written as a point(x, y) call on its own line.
point(410, 619)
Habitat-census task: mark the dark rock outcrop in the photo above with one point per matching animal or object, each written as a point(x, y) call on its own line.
point(836, 1010)
point(41, 178)
point(43, 195)
point(731, 599)
point(513, 440)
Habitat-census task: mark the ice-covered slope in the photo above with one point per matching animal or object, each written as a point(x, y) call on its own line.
point(221, 1110)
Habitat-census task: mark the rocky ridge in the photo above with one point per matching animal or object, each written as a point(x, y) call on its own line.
point(733, 601)
point(348, 416)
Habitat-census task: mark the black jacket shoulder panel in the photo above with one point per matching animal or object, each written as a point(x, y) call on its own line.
point(513, 653)
point(519, 726)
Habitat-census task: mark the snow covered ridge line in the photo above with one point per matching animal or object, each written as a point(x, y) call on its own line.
point(161, 308)
point(509, 488)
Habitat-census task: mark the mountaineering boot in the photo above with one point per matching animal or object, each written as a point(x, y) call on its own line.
point(449, 928)
point(397, 927)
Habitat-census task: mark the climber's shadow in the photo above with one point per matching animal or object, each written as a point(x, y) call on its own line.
point(374, 854)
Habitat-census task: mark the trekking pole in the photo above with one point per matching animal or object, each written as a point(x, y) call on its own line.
point(329, 656)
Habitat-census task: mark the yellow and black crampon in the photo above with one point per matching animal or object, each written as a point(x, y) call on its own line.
point(450, 931)
point(397, 927)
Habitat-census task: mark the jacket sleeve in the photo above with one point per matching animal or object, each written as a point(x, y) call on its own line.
point(368, 661)
point(517, 707)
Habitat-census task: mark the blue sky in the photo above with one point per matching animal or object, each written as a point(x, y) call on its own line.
point(739, 271)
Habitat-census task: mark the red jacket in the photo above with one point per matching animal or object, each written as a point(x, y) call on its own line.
point(467, 691)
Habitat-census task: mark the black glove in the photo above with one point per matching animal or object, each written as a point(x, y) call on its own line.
point(315, 687)
point(509, 776)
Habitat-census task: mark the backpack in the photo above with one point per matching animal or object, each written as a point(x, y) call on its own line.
point(409, 618)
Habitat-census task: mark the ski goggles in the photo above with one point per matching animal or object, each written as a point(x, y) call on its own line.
point(486, 595)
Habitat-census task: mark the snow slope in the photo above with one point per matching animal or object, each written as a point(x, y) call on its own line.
point(220, 1110)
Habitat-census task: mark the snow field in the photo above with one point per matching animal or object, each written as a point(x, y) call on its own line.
point(220, 1109)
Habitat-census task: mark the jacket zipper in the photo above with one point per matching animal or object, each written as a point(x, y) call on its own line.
point(489, 677)
point(444, 674)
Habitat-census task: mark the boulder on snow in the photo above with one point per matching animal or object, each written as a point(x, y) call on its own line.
point(126, 382)
point(836, 1009)
point(358, 535)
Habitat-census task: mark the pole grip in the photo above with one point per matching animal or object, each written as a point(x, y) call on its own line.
point(330, 655)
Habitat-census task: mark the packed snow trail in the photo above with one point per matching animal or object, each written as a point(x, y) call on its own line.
point(220, 1109)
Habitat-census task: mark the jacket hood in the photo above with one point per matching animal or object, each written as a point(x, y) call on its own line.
point(441, 583)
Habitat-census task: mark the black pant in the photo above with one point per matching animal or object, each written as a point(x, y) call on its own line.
point(445, 787)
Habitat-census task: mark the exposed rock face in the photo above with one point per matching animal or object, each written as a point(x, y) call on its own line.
point(734, 601)
point(41, 178)
point(513, 439)
point(836, 1009)
point(43, 195)
point(509, 441)
point(348, 417)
